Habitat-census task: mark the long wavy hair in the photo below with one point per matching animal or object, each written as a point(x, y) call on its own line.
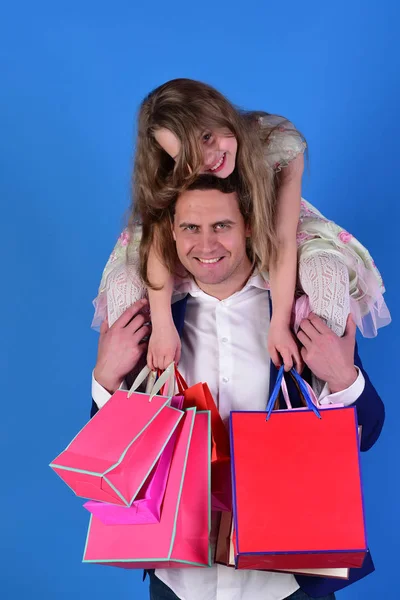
point(188, 108)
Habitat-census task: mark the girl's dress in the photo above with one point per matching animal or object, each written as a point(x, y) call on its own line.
point(336, 273)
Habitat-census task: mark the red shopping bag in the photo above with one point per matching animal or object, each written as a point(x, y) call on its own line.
point(181, 538)
point(113, 455)
point(199, 396)
point(225, 552)
point(297, 489)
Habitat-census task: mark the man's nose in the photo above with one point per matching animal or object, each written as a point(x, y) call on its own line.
point(207, 242)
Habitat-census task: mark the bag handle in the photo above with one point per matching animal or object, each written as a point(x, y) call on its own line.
point(169, 387)
point(285, 393)
point(167, 376)
point(177, 378)
point(181, 383)
point(145, 372)
point(150, 381)
point(305, 391)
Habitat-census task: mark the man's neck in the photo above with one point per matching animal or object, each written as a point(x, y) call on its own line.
point(230, 286)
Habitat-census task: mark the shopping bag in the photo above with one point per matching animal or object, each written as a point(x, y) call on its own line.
point(225, 553)
point(146, 508)
point(224, 549)
point(113, 455)
point(199, 396)
point(297, 487)
point(181, 538)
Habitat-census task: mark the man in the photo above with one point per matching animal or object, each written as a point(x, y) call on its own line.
point(225, 315)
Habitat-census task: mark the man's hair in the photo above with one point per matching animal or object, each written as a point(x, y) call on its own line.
point(229, 185)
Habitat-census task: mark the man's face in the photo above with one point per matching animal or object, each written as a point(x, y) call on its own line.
point(210, 235)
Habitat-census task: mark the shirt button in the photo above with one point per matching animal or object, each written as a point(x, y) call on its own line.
point(224, 340)
point(225, 379)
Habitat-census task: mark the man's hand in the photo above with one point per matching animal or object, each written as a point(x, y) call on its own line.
point(328, 356)
point(121, 346)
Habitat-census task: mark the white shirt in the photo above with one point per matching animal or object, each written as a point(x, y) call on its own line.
point(225, 344)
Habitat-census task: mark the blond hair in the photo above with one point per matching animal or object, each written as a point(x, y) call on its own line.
point(188, 108)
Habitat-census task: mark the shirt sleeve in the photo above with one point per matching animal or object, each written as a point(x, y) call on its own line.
point(100, 395)
point(345, 397)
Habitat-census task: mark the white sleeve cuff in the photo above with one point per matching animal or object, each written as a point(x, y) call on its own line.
point(100, 395)
point(345, 397)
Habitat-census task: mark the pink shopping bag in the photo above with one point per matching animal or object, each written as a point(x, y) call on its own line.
point(147, 506)
point(113, 455)
point(181, 538)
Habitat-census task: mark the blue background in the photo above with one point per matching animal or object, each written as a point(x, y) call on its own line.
point(72, 78)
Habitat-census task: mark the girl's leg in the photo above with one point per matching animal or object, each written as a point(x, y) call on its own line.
point(324, 277)
point(124, 288)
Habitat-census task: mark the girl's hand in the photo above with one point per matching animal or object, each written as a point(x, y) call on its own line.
point(164, 347)
point(282, 346)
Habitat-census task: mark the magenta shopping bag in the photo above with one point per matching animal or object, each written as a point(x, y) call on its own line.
point(146, 508)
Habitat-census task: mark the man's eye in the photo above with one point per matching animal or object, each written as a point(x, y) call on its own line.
point(220, 226)
point(191, 228)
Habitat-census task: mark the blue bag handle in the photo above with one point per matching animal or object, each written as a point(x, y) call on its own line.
point(302, 387)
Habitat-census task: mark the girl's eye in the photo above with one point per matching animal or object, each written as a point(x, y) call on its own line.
point(207, 137)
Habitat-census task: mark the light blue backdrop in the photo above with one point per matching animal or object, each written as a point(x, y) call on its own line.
point(72, 76)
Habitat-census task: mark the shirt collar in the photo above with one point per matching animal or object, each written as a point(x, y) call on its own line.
point(187, 285)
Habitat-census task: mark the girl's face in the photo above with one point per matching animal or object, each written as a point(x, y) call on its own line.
point(219, 150)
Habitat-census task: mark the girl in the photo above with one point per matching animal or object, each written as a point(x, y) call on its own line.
point(186, 128)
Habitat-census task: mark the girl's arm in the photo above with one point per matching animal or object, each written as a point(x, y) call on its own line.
point(283, 271)
point(164, 344)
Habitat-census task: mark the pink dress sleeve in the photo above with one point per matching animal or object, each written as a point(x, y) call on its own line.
point(284, 141)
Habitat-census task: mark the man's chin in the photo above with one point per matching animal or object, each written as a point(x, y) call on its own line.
point(209, 279)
